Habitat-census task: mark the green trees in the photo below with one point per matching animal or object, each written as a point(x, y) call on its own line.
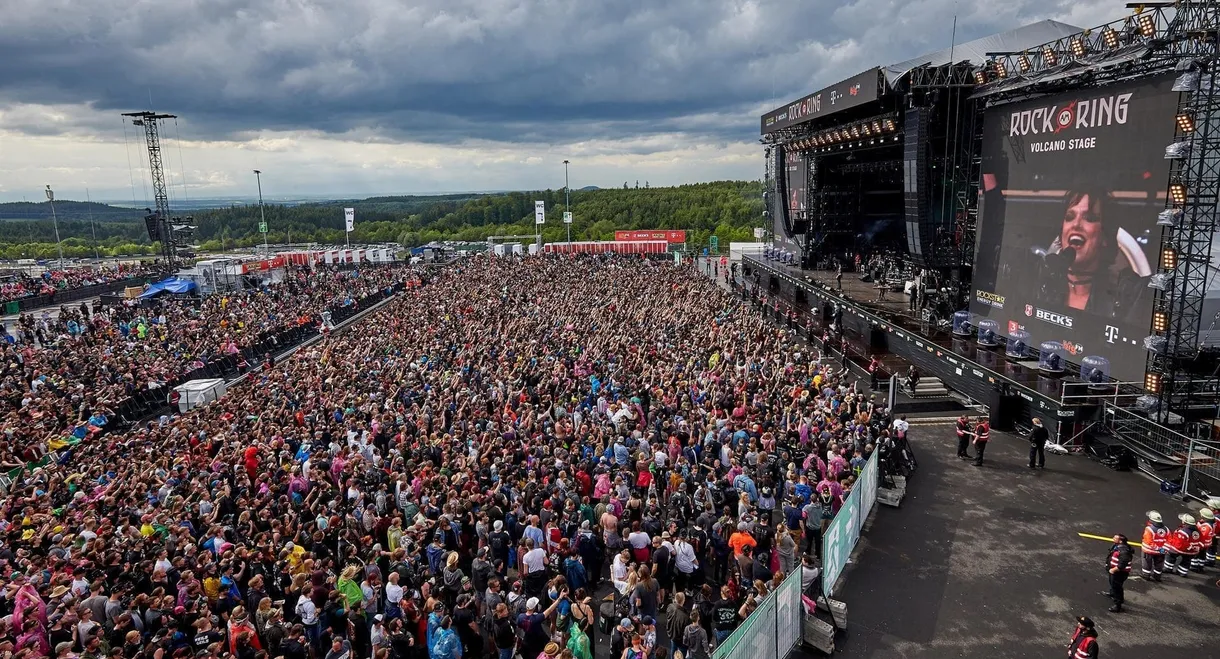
point(727, 209)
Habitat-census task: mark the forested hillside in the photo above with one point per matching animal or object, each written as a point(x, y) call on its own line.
point(727, 209)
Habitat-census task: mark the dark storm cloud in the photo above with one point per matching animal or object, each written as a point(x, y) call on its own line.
point(450, 70)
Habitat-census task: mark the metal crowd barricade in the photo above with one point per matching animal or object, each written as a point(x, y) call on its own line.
point(773, 629)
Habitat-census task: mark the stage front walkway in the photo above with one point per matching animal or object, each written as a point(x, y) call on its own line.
point(987, 562)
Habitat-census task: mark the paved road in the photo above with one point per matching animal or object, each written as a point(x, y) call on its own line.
point(986, 562)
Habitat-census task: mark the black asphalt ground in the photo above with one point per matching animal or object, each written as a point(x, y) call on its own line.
point(986, 562)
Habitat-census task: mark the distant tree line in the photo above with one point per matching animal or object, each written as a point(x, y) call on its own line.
point(728, 210)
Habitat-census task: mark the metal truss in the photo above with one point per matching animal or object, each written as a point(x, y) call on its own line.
point(1140, 42)
point(944, 76)
point(1185, 259)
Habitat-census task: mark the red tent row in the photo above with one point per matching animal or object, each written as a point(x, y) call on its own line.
point(607, 246)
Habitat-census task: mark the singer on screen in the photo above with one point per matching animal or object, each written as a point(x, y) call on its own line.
point(1094, 264)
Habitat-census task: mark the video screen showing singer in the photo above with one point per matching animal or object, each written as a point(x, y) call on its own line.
point(1094, 264)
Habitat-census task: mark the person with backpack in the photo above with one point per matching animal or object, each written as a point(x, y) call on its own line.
point(498, 541)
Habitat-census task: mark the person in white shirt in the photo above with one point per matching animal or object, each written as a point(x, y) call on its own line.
point(901, 426)
point(685, 562)
point(393, 595)
point(618, 571)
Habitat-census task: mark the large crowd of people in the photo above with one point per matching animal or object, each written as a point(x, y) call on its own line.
point(534, 457)
point(64, 375)
point(50, 281)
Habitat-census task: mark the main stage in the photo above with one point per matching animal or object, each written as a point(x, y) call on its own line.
point(894, 333)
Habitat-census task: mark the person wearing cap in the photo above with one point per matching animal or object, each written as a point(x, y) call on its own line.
point(1118, 567)
point(620, 637)
point(533, 629)
point(1084, 640)
point(1038, 437)
point(1182, 545)
point(1207, 535)
point(1152, 546)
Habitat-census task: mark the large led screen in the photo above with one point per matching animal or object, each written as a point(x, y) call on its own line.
point(1067, 235)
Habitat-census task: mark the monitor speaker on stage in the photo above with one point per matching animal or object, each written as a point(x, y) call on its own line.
point(920, 233)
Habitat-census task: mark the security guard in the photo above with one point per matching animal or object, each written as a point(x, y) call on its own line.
point(1182, 544)
point(1084, 641)
point(1118, 566)
point(1153, 546)
point(1207, 538)
point(982, 433)
point(963, 437)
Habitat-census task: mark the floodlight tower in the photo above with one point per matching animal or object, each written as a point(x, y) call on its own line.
point(150, 121)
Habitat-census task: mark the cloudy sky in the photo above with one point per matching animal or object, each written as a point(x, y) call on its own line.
point(359, 97)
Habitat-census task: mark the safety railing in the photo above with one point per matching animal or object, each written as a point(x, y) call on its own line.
point(1198, 455)
point(773, 629)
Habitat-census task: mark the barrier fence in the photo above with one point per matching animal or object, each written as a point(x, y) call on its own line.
point(144, 402)
point(844, 530)
point(773, 629)
point(31, 302)
point(1191, 462)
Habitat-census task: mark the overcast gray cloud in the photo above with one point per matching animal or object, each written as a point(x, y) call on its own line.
point(447, 72)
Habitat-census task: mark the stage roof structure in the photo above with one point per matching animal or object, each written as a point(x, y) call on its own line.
point(1012, 41)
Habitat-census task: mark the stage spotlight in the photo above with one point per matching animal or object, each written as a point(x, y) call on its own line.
point(1160, 322)
point(1187, 82)
point(1147, 25)
point(1169, 258)
point(1186, 121)
point(1077, 47)
point(1177, 150)
point(855, 132)
point(1169, 217)
point(1024, 63)
point(1000, 71)
point(866, 130)
point(1152, 382)
point(980, 77)
point(889, 125)
point(1110, 37)
point(1177, 194)
point(876, 126)
point(1049, 56)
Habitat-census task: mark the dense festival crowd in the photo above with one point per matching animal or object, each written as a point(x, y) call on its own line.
point(523, 457)
point(63, 375)
point(55, 281)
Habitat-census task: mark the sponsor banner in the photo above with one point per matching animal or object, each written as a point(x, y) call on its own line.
point(844, 530)
point(856, 90)
point(668, 235)
point(990, 299)
point(1071, 187)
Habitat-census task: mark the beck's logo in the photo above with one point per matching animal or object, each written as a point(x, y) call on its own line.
point(1029, 310)
point(1053, 318)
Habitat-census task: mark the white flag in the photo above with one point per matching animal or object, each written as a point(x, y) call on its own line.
point(539, 212)
point(349, 214)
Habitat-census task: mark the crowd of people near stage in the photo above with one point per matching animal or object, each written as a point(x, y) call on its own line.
point(529, 457)
point(54, 281)
point(64, 373)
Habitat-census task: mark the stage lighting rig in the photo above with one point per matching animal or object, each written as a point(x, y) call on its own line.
point(1077, 47)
